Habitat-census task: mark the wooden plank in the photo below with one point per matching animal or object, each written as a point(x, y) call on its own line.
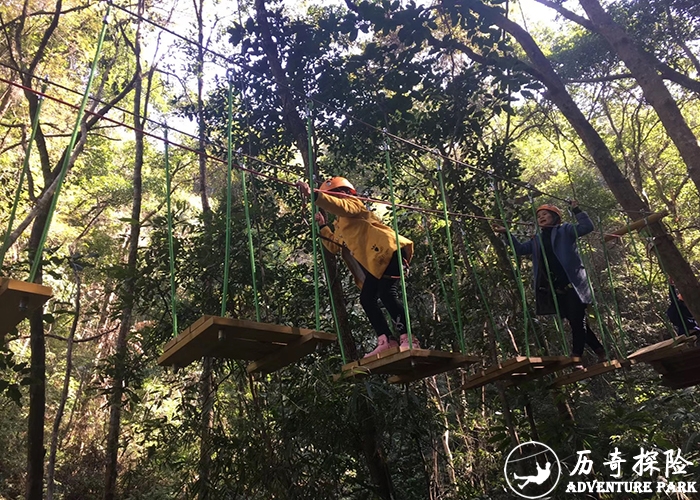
point(407, 362)
point(550, 364)
point(636, 225)
point(496, 372)
point(586, 373)
point(660, 349)
point(680, 360)
point(293, 351)
point(435, 369)
point(18, 299)
point(240, 339)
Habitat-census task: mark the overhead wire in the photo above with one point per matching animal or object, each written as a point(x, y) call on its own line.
point(256, 173)
point(327, 106)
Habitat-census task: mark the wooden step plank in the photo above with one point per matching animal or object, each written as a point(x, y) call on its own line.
point(586, 373)
point(290, 353)
point(550, 364)
point(681, 360)
point(232, 339)
point(18, 299)
point(434, 369)
point(405, 362)
point(660, 349)
point(496, 372)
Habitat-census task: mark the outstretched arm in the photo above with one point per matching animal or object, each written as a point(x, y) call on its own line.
point(520, 248)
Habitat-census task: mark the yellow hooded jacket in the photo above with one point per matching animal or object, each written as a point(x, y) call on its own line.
point(360, 236)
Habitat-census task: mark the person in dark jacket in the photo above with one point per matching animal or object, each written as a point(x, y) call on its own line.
point(680, 315)
point(562, 271)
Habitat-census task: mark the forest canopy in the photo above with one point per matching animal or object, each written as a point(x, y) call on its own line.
point(151, 158)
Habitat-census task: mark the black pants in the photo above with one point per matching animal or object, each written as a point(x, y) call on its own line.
point(385, 289)
point(572, 309)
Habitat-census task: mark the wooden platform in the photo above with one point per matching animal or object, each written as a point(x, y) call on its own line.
point(589, 372)
point(661, 350)
point(405, 365)
point(680, 370)
point(17, 300)
point(517, 370)
point(269, 347)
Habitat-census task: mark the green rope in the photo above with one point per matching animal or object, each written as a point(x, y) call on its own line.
point(604, 333)
point(251, 248)
point(477, 280)
point(25, 168)
point(395, 221)
point(617, 316)
point(314, 231)
point(439, 275)
point(675, 299)
point(332, 300)
point(557, 318)
point(649, 281)
point(171, 245)
point(455, 285)
point(67, 154)
point(229, 162)
point(515, 268)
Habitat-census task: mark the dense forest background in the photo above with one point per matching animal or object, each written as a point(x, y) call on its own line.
point(599, 105)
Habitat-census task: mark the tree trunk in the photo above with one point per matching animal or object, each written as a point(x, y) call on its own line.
point(674, 263)
point(37, 389)
point(652, 85)
point(118, 382)
point(371, 445)
point(51, 466)
point(206, 390)
point(199, 11)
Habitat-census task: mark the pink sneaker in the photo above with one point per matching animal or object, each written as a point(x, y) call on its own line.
point(404, 341)
point(383, 343)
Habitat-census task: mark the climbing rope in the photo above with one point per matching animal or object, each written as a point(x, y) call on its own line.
point(68, 152)
point(453, 271)
point(25, 168)
point(171, 245)
point(394, 218)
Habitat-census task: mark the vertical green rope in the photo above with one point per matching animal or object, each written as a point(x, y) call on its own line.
point(332, 300)
point(559, 325)
point(171, 245)
point(20, 183)
point(439, 275)
point(67, 155)
point(395, 221)
point(604, 334)
point(675, 298)
point(515, 268)
point(251, 248)
point(455, 285)
point(477, 280)
point(314, 231)
point(229, 164)
point(648, 279)
point(617, 317)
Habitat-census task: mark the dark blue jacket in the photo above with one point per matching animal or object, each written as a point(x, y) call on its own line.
point(564, 246)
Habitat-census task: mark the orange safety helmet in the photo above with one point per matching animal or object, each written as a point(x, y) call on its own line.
point(550, 208)
point(335, 183)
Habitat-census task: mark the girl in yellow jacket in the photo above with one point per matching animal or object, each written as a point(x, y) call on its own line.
point(368, 248)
